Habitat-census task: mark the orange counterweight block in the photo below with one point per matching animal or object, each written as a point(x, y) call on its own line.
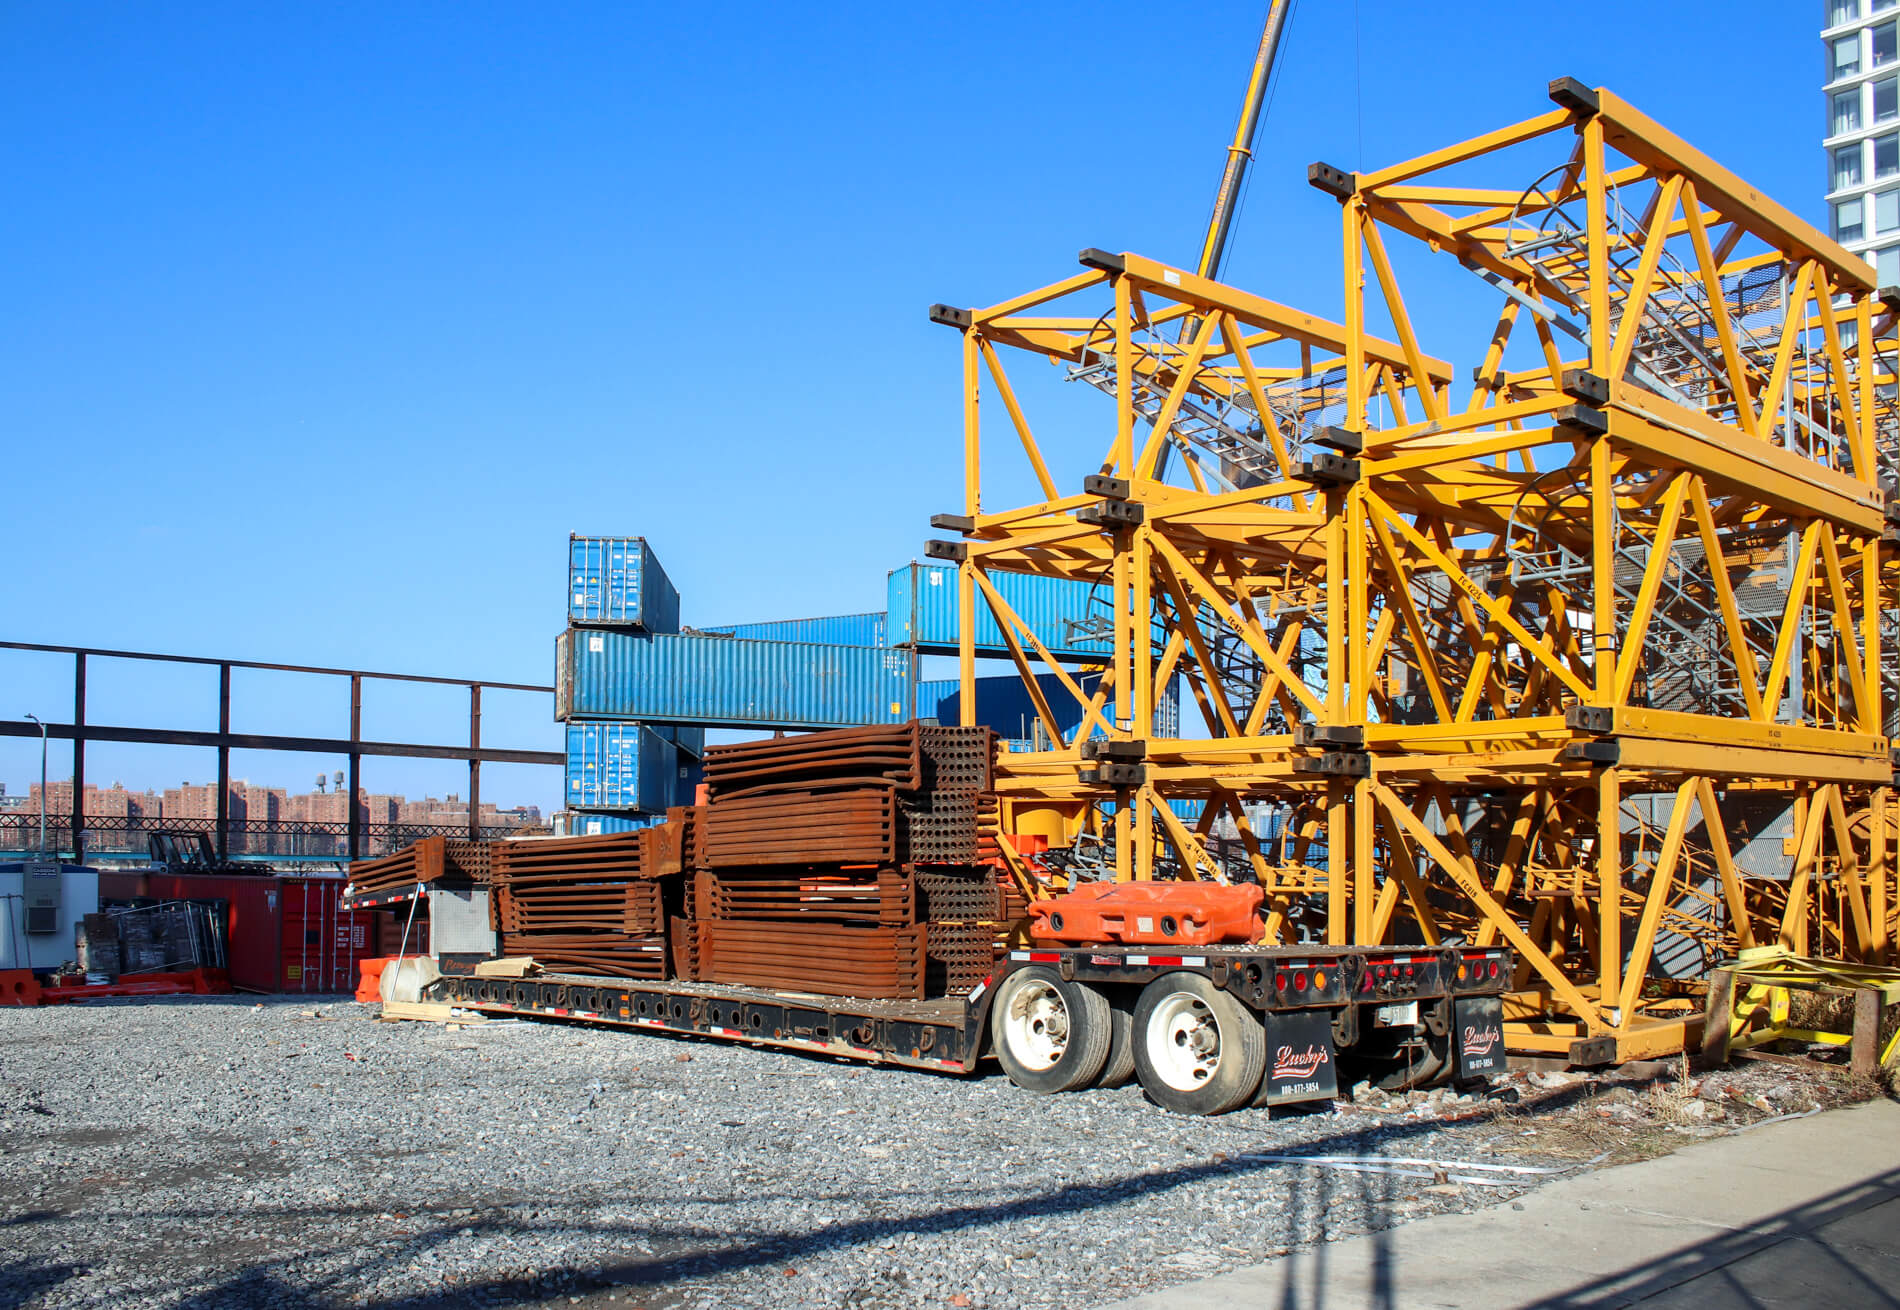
point(1151, 914)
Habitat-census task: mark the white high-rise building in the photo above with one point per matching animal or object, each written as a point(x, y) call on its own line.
point(1862, 47)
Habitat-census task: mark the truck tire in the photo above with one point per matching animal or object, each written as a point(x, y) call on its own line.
point(1198, 1050)
point(1119, 1068)
point(1050, 1035)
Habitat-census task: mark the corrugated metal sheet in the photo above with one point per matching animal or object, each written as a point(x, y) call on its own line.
point(1003, 703)
point(1070, 618)
point(617, 581)
point(725, 682)
point(836, 630)
point(623, 766)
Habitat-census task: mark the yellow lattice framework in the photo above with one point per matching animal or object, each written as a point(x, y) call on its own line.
point(1580, 650)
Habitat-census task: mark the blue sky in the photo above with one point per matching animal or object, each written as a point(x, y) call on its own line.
point(325, 325)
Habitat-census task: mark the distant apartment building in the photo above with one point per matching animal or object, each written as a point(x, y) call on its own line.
point(453, 810)
point(1861, 83)
point(267, 818)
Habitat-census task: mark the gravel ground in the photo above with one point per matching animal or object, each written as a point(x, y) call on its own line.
point(219, 1152)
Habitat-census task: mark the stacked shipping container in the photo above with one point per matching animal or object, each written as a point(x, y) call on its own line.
point(637, 692)
point(621, 771)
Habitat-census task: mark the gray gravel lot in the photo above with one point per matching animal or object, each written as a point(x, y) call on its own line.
point(218, 1152)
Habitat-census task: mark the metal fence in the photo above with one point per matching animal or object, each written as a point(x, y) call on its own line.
point(223, 740)
point(119, 838)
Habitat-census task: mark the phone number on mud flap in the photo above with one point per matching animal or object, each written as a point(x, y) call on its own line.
point(1295, 1088)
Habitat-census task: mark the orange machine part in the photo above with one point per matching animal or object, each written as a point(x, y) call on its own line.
point(1151, 914)
point(18, 987)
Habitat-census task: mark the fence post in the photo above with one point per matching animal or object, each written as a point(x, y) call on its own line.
point(356, 766)
point(224, 761)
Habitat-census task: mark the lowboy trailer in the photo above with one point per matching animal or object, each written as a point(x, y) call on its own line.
point(1204, 1031)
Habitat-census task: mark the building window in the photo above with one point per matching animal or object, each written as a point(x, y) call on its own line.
point(1847, 221)
point(1846, 167)
point(1886, 49)
point(1845, 112)
point(1881, 6)
point(1887, 155)
point(1846, 56)
point(1842, 11)
point(1887, 97)
point(1887, 266)
point(1887, 211)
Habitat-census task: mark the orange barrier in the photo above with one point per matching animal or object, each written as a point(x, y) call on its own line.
point(192, 982)
point(370, 988)
point(1151, 914)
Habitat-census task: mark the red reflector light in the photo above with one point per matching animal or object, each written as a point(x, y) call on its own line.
point(1279, 982)
point(1494, 968)
point(1299, 981)
point(1365, 983)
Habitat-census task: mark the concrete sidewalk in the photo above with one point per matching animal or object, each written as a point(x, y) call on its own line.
point(1798, 1214)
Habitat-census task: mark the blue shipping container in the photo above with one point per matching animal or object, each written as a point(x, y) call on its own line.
point(595, 825)
point(1072, 619)
point(837, 630)
point(617, 581)
point(624, 766)
point(691, 741)
point(1003, 703)
point(727, 683)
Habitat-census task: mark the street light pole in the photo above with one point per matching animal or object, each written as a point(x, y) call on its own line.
point(34, 718)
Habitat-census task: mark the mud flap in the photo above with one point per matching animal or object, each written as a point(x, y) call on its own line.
point(1300, 1059)
point(1478, 1031)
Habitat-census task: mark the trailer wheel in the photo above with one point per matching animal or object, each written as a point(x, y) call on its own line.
point(1198, 1050)
point(1050, 1035)
point(1119, 1068)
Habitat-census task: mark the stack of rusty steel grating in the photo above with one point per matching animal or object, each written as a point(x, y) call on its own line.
point(963, 906)
point(957, 759)
point(889, 756)
point(958, 894)
point(626, 907)
point(683, 942)
point(467, 861)
point(886, 897)
point(959, 957)
point(940, 827)
point(826, 959)
point(857, 825)
point(596, 904)
point(619, 956)
point(423, 861)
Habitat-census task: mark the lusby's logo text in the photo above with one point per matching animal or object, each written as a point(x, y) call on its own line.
point(1289, 1063)
point(1479, 1041)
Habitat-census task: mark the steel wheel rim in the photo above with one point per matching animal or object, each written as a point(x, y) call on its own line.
point(1036, 1025)
point(1183, 1041)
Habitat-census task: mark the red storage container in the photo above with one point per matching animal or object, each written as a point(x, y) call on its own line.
point(322, 941)
point(284, 934)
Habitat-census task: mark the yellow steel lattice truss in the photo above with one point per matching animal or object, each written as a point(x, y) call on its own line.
point(1581, 651)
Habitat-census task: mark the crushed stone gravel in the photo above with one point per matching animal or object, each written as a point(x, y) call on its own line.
point(212, 1152)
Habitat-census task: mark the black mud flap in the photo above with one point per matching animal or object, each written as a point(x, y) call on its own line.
point(1300, 1060)
point(1478, 1030)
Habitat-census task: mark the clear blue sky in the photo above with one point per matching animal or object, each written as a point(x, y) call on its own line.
point(324, 325)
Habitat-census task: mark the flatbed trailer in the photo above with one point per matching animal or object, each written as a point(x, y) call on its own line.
point(1205, 1030)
